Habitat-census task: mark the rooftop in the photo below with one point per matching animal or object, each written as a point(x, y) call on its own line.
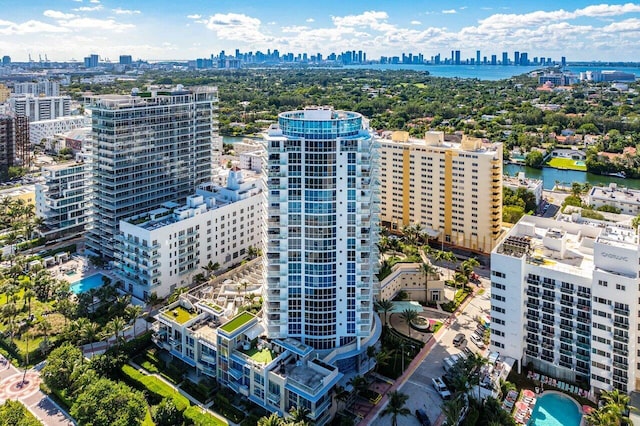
point(179, 314)
point(262, 356)
point(614, 194)
point(237, 322)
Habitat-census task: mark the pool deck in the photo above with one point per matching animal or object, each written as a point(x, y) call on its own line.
point(81, 268)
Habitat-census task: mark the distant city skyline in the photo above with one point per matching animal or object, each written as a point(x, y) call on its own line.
point(72, 29)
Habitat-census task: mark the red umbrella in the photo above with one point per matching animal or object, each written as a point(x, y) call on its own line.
point(586, 409)
point(521, 406)
point(528, 393)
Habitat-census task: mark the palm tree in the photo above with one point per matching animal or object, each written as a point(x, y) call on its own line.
point(341, 395)
point(272, 420)
point(299, 415)
point(428, 270)
point(9, 313)
point(599, 417)
point(209, 268)
point(385, 306)
point(359, 383)
point(407, 316)
point(396, 406)
point(45, 328)
point(452, 410)
point(90, 333)
point(132, 312)
point(115, 326)
point(382, 358)
point(28, 295)
point(467, 266)
point(615, 406)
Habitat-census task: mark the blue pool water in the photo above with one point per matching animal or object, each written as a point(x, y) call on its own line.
point(553, 409)
point(87, 283)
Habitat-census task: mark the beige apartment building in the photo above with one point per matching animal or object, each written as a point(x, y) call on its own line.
point(454, 190)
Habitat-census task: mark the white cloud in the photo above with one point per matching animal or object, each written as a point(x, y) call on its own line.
point(236, 26)
point(119, 11)
point(88, 8)
point(96, 24)
point(310, 20)
point(55, 14)
point(449, 11)
point(462, 7)
point(369, 18)
point(94, 1)
point(416, 23)
point(608, 10)
point(194, 16)
point(29, 27)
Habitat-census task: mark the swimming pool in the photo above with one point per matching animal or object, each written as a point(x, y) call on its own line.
point(555, 409)
point(87, 283)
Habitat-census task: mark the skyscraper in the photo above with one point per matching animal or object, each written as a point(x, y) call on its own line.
point(149, 148)
point(322, 230)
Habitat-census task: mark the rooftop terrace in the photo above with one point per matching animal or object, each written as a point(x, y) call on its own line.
point(179, 314)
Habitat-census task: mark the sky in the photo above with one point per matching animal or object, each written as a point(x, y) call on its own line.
point(188, 29)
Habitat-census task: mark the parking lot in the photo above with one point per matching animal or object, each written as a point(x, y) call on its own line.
point(419, 386)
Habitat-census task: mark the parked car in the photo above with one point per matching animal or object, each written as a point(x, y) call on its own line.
point(441, 388)
point(478, 341)
point(457, 341)
point(423, 418)
point(467, 350)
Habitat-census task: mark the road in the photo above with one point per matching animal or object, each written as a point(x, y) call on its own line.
point(418, 386)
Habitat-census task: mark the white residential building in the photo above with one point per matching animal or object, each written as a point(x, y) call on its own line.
point(38, 108)
point(40, 88)
point(626, 199)
point(564, 299)
point(520, 181)
point(454, 190)
point(64, 199)
point(253, 160)
point(47, 129)
point(165, 248)
point(150, 148)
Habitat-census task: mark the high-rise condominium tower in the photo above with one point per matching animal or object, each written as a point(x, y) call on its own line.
point(322, 228)
point(149, 148)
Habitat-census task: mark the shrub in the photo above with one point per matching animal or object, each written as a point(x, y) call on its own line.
point(195, 416)
point(154, 386)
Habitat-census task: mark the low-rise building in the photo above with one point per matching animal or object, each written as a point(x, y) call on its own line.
point(47, 129)
point(167, 247)
point(412, 279)
point(625, 199)
point(564, 298)
point(276, 374)
point(521, 181)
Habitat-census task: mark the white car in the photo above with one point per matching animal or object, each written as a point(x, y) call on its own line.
point(478, 341)
point(441, 388)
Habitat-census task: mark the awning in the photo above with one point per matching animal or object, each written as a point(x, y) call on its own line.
point(254, 331)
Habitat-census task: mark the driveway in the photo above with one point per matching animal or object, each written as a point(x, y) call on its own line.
point(418, 385)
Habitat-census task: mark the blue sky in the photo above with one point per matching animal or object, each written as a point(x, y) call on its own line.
point(186, 29)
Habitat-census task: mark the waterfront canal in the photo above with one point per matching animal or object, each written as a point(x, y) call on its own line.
point(551, 176)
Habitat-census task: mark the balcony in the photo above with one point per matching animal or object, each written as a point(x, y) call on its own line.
point(620, 311)
point(548, 297)
point(550, 286)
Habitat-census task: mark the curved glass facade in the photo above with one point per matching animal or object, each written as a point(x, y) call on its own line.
point(321, 248)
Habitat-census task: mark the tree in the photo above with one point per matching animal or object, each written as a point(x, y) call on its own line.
point(209, 268)
point(166, 413)
point(14, 413)
point(385, 306)
point(359, 383)
point(115, 326)
point(272, 420)
point(299, 415)
point(109, 403)
point(428, 270)
point(340, 395)
point(396, 406)
point(534, 159)
point(407, 316)
point(90, 333)
point(382, 358)
point(61, 363)
point(132, 312)
point(452, 410)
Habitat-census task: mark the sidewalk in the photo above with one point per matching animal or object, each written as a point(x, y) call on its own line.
point(426, 349)
point(29, 393)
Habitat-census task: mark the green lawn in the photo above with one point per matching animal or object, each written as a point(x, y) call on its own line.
point(156, 386)
point(237, 322)
point(566, 164)
point(264, 356)
point(198, 418)
point(180, 315)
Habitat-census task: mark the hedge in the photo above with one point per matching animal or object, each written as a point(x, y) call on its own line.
point(155, 386)
point(198, 418)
